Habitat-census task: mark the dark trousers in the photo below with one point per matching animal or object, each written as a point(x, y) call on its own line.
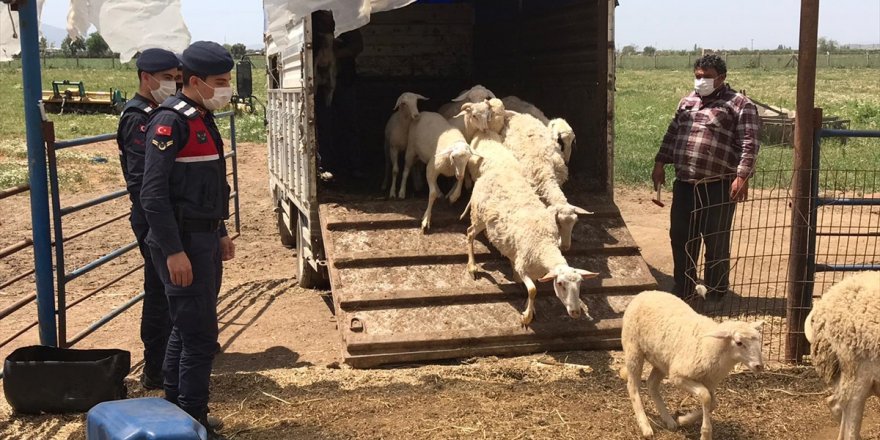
point(155, 320)
point(700, 214)
point(193, 341)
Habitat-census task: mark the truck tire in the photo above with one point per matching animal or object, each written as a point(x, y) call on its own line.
point(287, 239)
point(306, 276)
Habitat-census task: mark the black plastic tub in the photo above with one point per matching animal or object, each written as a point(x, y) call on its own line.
point(41, 379)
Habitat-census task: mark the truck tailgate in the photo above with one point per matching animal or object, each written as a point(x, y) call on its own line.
point(403, 296)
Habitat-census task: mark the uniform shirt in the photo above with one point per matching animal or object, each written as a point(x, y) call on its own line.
point(167, 134)
point(712, 136)
point(130, 138)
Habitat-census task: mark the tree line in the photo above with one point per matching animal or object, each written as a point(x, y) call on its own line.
point(824, 45)
point(94, 46)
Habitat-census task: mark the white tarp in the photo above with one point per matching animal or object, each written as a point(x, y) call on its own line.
point(348, 15)
point(130, 26)
point(9, 39)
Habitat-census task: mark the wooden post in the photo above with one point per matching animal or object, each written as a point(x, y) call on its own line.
point(798, 286)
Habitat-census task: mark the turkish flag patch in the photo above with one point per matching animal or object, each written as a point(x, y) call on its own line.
point(163, 130)
point(143, 128)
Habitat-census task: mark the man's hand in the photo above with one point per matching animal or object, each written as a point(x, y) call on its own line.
point(180, 269)
point(658, 176)
point(739, 190)
point(227, 248)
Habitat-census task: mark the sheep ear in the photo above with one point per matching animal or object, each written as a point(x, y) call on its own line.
point(467, 107)
point(720, 334)
point(509, 114)
point(549, 277)
point(421, 97)
point(758, 325)
point(581, 211)
point(491, 95)
point(585, 274)
point(461, 97)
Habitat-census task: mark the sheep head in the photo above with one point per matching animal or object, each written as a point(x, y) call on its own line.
point(459, 155)
point(498, 115)
point(407, 102)
point(476, 93)
point(567, 285)
point(563, 134)
point(566, 216)
point(476, 115)
point(741, 343)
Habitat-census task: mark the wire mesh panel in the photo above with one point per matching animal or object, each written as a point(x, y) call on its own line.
point(847, 238)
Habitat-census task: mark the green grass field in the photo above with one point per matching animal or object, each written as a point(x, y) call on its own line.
point(645, 102)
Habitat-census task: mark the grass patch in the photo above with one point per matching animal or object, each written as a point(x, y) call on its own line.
point(646, 101)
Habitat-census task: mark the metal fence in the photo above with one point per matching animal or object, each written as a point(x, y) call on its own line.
point(749, 61)
point(63, 275)
point(844, 236)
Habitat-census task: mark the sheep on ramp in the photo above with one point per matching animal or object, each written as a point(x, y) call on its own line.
point(693, 351)
point(844, 330)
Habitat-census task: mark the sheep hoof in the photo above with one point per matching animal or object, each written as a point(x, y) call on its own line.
point(526, 318)
point(472, 270)
point(426, 224)
point(647, 432)
point(671, 424)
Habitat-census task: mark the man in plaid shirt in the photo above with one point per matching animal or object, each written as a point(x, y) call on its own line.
point(712, 142)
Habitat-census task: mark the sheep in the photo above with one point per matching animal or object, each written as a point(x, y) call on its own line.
point(504, 205)
point(514, 103)
point(844, 331)
point(443, 149)
point(476, 93)
point(695, 352)
point(564, 136)
point(396, 135)
point(532, 143)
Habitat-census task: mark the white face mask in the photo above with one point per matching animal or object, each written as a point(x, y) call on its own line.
point(221, 97)
point(166, 89)
point(704, 86)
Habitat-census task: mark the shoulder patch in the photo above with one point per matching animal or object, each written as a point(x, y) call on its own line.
point(163, 145)
point(163, 130)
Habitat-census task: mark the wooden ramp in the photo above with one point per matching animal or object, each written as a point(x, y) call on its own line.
point(403, 296)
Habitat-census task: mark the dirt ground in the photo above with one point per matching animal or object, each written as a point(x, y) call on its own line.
point(279, 375)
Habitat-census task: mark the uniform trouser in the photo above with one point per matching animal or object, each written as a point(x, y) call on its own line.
point(193, 342)
point(701, 213)
point(155, 320)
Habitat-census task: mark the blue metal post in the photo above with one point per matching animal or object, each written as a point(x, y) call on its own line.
point(30, 68)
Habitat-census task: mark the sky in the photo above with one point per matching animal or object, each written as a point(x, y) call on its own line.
point(664, 24)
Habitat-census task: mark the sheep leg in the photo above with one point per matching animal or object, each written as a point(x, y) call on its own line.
point(634, 363)
point(654, 391)
point(705, 397)
point(529, 314)
point(407, 166)
point(433, 190)
point(854, 392)
point(472, 231)
point(391, 171)
point(456, 191)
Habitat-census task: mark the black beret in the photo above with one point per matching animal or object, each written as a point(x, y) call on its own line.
point(157, 60)
point(207, 58)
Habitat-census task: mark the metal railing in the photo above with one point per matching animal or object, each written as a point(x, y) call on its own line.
point(63, 276)
point(9, 251)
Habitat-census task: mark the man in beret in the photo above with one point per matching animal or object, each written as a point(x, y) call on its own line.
point(186, 200)
point(158, 71)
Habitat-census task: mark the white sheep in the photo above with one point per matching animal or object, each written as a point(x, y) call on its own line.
point(519, 225)
point(443, 149)
point(514, 103)
point(476, 93)
point(533, 144)
point(396, 136)
point(844, 330)
point(693, 351)
point(562, 132)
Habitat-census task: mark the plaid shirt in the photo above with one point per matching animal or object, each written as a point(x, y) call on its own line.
point(712, 136)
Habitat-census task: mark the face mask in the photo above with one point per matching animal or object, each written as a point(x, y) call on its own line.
point(704, 86)
point(221, 97)
point(166, 89)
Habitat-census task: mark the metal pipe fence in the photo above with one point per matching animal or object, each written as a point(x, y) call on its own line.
point(843, 236)
point(9, 251)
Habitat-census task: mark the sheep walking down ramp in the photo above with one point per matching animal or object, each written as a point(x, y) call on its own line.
point(844, 330)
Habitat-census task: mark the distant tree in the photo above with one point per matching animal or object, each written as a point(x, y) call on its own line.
point(238, 50)
point(649, 51)
point(44, 44)
point(629, 49)
point(73, 47)
point(780, 47)
point(827, 45)
point(96, 46)
point(698, 51)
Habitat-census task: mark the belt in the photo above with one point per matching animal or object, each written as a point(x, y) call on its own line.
point(198, 225)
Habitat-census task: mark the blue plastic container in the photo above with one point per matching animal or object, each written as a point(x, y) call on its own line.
point(148, 418)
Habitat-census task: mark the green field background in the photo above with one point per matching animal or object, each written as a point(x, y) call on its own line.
point(645, 101)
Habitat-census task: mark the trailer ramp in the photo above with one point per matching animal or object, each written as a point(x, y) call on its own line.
point(403, 296)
